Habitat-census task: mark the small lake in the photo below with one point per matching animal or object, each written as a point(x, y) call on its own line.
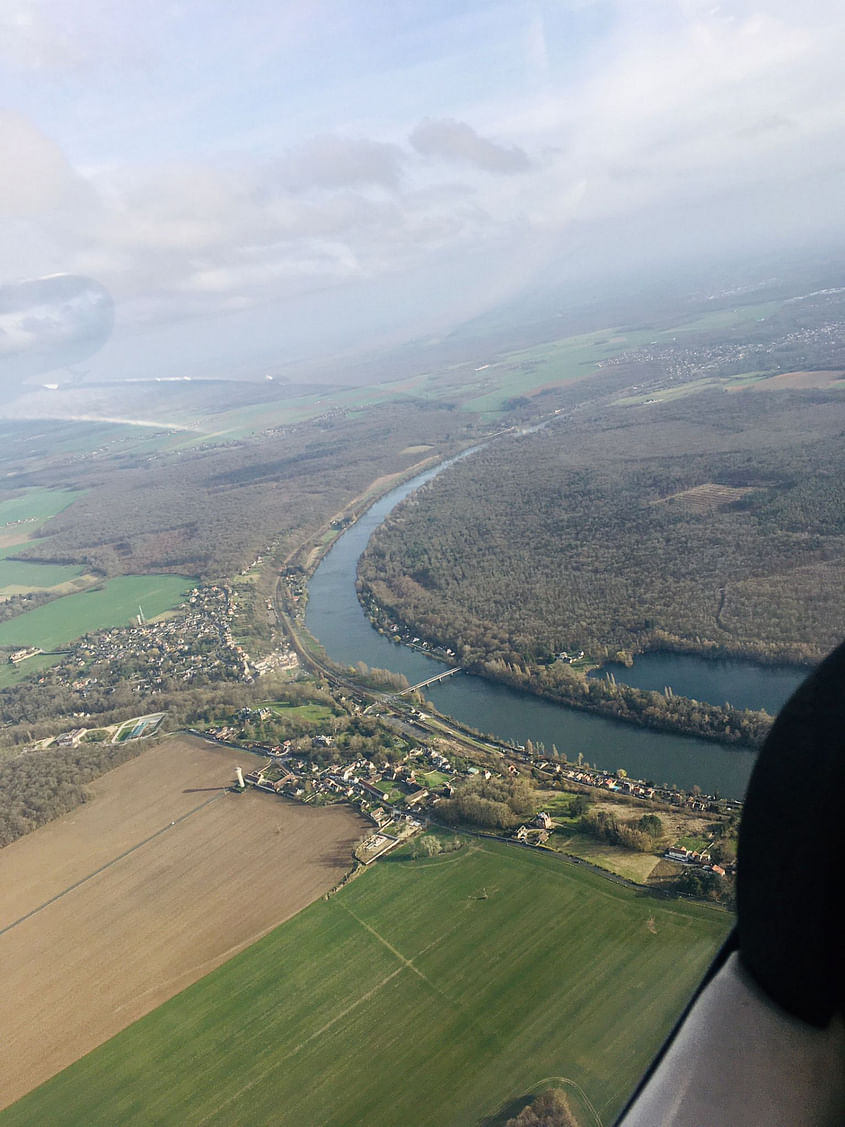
point(743, 684)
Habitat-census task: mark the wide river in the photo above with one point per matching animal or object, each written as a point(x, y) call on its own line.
point(336, 618)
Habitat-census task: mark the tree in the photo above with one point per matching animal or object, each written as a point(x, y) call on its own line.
point(651, 824)
point(426, 846)
point(578, 805)
point(549, 1109)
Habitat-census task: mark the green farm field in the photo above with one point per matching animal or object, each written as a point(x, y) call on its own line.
point(20, 576)
point(547, 365)
point(310, 713)
point(114, 604)
point(35, 505)
point(424, 993)
point(14, 674)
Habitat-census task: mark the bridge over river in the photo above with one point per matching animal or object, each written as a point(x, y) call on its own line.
point(430, 681)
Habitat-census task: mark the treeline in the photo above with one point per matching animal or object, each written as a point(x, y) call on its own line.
point(661, 711)
point(713, 522)
point(39, 786)
point(13, 605)
point(382, 679)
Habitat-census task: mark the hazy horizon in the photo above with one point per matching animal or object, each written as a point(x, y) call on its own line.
point(257, 188)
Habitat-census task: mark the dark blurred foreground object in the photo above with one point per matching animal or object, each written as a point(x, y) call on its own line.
point(763, 1041)
point(48, 324)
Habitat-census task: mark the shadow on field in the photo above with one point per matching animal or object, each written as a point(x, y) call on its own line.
point(507, 1111)
point(340, 855)
point(200, 790)
point(396, 856)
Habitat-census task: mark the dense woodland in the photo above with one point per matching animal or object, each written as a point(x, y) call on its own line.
point(210, 510)
point(714, 523)
point(38, 786)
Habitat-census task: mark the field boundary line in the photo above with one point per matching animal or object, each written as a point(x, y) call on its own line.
point(301, 1045)
point(408, 963)
point(438, 990)
point(114, 860)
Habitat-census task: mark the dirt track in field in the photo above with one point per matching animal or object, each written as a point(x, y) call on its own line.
point(111, 910)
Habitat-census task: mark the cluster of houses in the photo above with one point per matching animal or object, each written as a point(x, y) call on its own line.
point(701, 858)
point(537, 831)
point(396, 794)
point(607, 780)
point(385, 795)
point(679, 364)
point(195, 641)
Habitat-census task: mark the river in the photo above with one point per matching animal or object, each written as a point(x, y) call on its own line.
point(336, 618)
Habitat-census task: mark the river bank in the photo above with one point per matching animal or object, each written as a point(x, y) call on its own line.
point(336, 619)
point(573, 687)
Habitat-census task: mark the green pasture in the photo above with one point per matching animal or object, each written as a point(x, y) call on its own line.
point(312, 713)
point(725, 318)
point(114, 604)
point(20, 576)
point(14, 674)
point(527, 371)
point(429, 993)
point(390, 792)
point(434, 779)
point(36, 505)
point(627, 863)
point(694, 842)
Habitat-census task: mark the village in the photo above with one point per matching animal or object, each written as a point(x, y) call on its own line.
point(668, 362)
point(193, 646)
point(408, 791)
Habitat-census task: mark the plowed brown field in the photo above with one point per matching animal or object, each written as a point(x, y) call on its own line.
point(798, 380)
point(127, 900)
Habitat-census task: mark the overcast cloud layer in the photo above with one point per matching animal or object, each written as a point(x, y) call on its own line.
point(413, 163)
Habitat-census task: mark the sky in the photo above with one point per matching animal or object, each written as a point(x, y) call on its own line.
point(238, 186)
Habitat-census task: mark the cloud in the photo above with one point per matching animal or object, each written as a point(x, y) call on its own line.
point(341, 162)
point(37, 176)
point(227, 178)
point(30, 39)
point(456, 142)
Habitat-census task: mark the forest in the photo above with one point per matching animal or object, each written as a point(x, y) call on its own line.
point(208, 510)
point(713, 523)
point(39, 786)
